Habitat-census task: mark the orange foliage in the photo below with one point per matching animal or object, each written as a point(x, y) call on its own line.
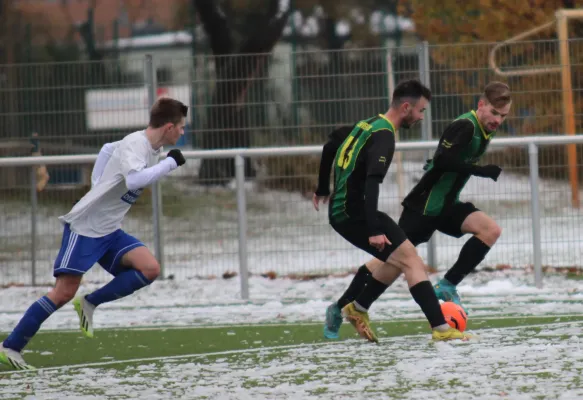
point(462, 34)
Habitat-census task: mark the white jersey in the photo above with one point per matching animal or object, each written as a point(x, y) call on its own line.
point(101, 211)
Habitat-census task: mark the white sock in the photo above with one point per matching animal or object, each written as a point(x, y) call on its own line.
point(359, 307)
point(442, 328)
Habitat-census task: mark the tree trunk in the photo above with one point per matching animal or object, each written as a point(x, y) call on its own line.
point(228, 125)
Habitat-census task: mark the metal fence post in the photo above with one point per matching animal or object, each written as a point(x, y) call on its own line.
point(242, 224)
point(426, 133)
point(33, 215)
point(156, 192)
point(535, 214)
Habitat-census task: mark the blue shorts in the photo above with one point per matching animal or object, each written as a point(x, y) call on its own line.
point(79, 253)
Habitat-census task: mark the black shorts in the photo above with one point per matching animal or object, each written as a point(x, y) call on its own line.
point(355, 230)
point(419, 227)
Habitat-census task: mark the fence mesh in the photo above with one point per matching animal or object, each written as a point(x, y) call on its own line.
point(281, 99)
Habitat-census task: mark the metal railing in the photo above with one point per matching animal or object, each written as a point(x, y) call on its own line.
point(297, 99)
point(532, 144)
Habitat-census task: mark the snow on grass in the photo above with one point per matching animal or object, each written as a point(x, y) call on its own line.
point(286, 235)
point(188, 302)
point(516, 363)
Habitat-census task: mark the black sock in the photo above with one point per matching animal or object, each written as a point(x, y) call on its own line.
point(471, 255)
point(371, 292)
point(424, 294)
point(356, 286)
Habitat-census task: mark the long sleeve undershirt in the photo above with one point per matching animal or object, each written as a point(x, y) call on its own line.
point(455, 139)
point(380, 149)
point(139, 179)
point(102, 158)
point(328, 154)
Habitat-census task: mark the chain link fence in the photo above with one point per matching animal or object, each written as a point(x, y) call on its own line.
point(282, 99)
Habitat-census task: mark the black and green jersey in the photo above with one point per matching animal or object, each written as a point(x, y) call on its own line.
point(462, 144)
point(365, 153)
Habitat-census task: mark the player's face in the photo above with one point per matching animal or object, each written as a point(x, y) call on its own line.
point(174, 131)
point(413, 112)
point(490, 117)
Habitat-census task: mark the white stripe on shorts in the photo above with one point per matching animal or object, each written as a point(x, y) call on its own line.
point(70, 246)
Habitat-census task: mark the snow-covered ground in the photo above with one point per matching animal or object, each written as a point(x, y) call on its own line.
point(286, 235)
point(516, 364)
point(531, 362)
point(523, 363)
point(218, 301)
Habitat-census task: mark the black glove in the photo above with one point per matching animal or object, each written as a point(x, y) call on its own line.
point(489, 171)
point(177, 156)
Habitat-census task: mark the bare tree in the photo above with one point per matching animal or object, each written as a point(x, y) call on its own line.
point(236, 70)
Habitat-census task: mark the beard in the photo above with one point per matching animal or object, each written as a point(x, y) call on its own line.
point(408, 122)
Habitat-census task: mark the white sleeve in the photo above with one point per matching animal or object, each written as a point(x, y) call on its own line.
point(102, 160)
point(139, 179)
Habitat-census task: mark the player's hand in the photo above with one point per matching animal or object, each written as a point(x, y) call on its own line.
point(379, 242)
point(177, 156)
point(316, 201)
point(491, 171)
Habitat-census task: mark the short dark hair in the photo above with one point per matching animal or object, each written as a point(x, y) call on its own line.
point(497, 94)
point(167, 110)
point(411, 89)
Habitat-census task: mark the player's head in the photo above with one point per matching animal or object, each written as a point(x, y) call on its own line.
point(169, 117)
point(494, 105)
point(410, 99)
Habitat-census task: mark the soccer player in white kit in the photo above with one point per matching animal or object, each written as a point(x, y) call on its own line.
point(92, 229)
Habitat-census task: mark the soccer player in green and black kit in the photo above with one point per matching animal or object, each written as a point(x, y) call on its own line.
point(434, 204)
point(361, 156)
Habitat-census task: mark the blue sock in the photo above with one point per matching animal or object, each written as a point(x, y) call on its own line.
point(122, 285)
point(30, 323)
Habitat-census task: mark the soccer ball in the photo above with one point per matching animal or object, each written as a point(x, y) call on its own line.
point(454, 315)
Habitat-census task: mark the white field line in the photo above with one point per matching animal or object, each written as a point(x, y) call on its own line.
point(289, 324)
point(243, 351)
